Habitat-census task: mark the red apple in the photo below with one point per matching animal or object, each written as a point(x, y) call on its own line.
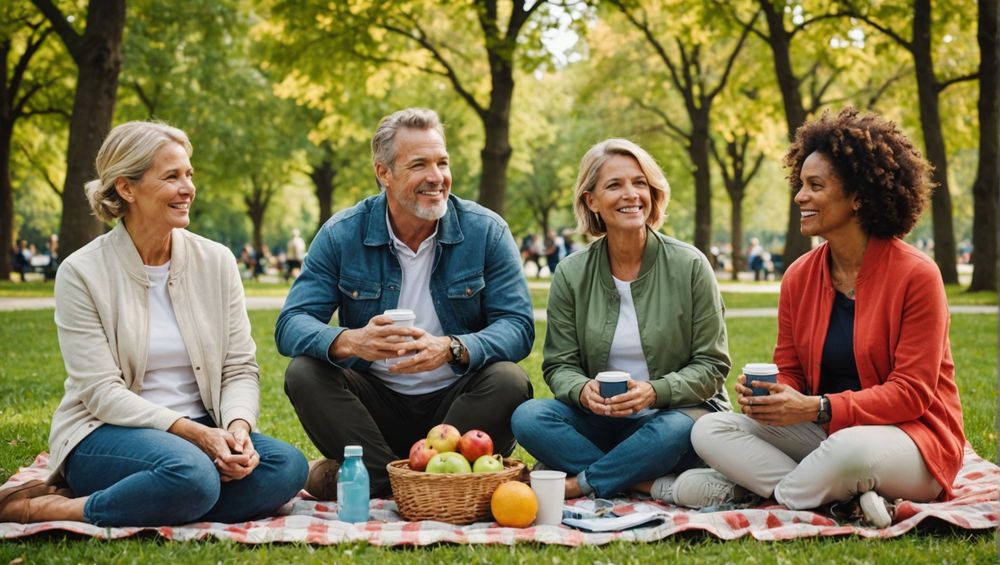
point(443, 438)
point(420, 454)
point(474, 444)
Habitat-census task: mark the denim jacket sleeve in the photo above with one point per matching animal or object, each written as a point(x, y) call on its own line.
point(509, 326)
point(303, 324)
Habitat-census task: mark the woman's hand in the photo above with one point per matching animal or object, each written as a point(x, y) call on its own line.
point(221, 446)
point(243, 459)
point(784, 405)
point(640, 395)
point(741, 386)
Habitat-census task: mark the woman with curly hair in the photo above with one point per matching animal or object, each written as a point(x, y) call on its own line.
point(865, 404)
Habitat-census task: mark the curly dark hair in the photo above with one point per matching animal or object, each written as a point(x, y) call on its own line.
point(875, 161)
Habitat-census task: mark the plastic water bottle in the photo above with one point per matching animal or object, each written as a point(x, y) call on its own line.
point(352, 486)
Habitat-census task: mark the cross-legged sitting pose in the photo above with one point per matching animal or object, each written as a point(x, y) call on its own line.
point(866, 402)
point(157, 423)
point(634, 301)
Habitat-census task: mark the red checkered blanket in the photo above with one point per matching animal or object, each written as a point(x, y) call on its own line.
point(977, 490)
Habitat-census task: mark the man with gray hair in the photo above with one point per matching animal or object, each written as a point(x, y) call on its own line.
point(367, 380)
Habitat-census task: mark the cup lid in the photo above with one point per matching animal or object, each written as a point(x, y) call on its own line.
point(613, 376)
point(400, 314)
point(760, 369)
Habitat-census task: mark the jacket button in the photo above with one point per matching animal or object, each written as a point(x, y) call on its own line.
point(468, 292)
point(197, 368)
point(354, 294)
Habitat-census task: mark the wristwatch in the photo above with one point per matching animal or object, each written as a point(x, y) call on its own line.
point(824, 414)
point(457, 350)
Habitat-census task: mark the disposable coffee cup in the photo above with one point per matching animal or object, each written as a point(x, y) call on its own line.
point(550, 489)
point(401, 317)
point(613, 383)
point(763, 372)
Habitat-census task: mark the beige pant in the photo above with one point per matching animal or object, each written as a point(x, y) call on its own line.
point(802, 467)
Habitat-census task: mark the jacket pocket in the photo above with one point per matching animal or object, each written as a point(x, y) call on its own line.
point(361, 300)
point(465, 296)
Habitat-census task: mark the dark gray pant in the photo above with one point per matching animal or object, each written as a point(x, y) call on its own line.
point(339, 407)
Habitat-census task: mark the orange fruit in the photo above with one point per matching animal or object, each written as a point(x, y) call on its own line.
point(514, 505)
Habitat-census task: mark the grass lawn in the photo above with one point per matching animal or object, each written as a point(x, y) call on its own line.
point(31, 377)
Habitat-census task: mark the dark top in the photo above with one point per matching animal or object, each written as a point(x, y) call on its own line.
point(838, 372)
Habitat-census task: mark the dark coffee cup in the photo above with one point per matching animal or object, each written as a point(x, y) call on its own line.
point(613, 383)
point(762, 372)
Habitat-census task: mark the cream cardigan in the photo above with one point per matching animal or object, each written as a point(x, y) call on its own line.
point(102, 316)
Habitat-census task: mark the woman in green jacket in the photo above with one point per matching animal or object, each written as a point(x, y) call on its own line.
point(633, 301)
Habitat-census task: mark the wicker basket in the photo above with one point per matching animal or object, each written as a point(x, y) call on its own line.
point(457, 499)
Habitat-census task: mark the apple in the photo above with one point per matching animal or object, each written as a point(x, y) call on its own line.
point(488, 464)
point(474, 444)
point(443, 438)
point(448, 463)
point(420, 454)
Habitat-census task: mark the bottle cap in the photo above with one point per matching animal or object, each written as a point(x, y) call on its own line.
point(353, 451)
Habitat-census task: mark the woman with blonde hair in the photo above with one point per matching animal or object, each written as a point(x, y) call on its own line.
point(636, 301)
point(156, 426)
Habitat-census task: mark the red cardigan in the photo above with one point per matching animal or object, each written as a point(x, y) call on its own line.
point(900, 347)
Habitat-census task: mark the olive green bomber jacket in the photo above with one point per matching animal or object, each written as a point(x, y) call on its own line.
point(681, 324)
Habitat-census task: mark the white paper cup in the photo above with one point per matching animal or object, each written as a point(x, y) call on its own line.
point(401, 317)
point(763, 372)
point(550, 489)
point(613, 383)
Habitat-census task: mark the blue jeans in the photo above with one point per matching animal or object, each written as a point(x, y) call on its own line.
point(607, 454)
point(147, 477)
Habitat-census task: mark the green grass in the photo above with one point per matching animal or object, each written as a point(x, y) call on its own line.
point(31, 376)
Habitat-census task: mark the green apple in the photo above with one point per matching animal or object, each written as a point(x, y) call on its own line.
point(448, 462)
point(488, 464)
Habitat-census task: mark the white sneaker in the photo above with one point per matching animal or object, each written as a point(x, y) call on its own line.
point(877, 512)
point(699, 488)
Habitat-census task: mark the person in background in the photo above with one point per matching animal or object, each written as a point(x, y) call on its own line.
point(866, 406)
point(635, 301)
point(157, 424)
point(295, 252)
point(365, 381)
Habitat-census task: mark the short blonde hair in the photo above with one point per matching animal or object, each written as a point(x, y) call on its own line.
point(587, 222)
point(127, 152)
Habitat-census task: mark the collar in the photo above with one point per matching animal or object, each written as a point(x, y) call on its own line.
point(122, 243)
point(377, 233)
point(398, 244)
point(648, 259)
point(870, 263)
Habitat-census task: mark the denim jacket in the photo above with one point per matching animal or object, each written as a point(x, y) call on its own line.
point(480, 294)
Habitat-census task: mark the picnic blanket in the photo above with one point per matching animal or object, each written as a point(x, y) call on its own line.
point(974, 507)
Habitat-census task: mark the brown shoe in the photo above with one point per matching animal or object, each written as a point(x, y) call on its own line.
point(10, 510)
point(322, 481)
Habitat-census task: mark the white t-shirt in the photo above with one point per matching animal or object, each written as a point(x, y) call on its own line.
point(415, 294)
point(169, 380)
point(626, 348)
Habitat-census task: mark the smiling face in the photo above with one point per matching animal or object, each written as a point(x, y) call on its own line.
point(825, 208)
point(621, 197)
point(162, 198)
point(418, 183)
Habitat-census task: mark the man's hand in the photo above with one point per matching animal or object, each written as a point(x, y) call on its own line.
point(640, 395)
point(379, 340)
point(429, 353)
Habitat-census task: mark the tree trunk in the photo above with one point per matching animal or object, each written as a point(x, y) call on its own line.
point(322, 176)
point(698, 152)
point(6, 202)
point(98, 57)
point(796, 244)
point(736, 227)
point(985, 190)
point(930, 123)
point(496, 150)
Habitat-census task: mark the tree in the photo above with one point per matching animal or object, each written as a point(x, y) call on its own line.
point(22, 35)
point(738, 168)
point(698, 85)
point(985, 189)
point(97, 53)
point(929, 87)
point(384, 33)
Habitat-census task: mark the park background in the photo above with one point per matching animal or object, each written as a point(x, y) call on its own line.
point(280, 99)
